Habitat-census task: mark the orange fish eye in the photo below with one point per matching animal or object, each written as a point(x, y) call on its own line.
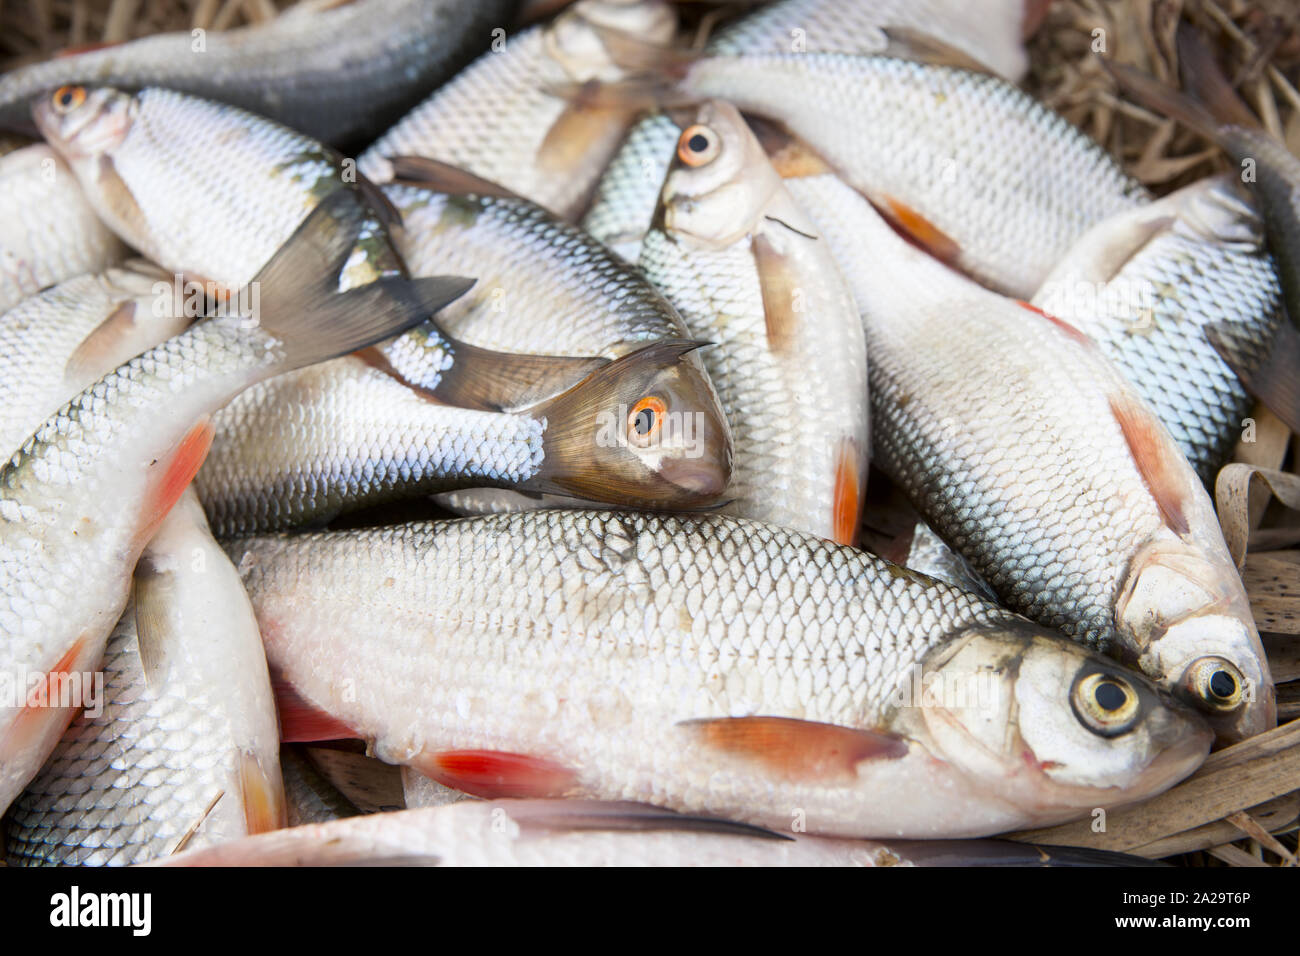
point(68, 98)
point(647, 417)
point(698, 146)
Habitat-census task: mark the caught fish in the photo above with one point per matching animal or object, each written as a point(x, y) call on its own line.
point(989, 32)
point(339, 73)
point(303, 448)
point(212, 216)
point(420, 791)
point(182, 748)
point(341, 436)
point(747, 270)
point(85, 493)
point(966, 164)
point(509, 119)
point(1272, 172)
point(1156, 287)
point(48, 230)
point(929, 555)
point(710, 665)
point(55, 344)
point(1027, 451)
point(590, 833)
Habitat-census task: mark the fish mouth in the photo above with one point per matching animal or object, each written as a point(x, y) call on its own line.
point(699, 479)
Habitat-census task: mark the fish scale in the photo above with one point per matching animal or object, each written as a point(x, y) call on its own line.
point(635, 626)
point(48, 230)
point(580, 300)
point(625, 200)
point(1011, 183)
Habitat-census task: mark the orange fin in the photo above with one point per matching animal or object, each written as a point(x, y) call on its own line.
point(923, 232)
point(176, 477)
point(30, 721)
point(1061, 324)
point(493, 774)
point(790, 156)
point(584, 129)
point(83, 48)
point(264, 804)
point(301, 721)
point(1154, 460)
point(846, 513)
point(799, 749)
point(779, 287)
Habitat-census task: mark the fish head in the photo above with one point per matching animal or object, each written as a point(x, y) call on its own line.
point(720, 181)
point(646, 430)
point(1051, 725)
point(85, 123)
point(1184, 618)
point(607, 40)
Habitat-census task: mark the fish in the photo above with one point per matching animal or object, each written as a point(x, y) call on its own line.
point(338, 72)
point(530, 114)
point(747, 270)
point(706, 664)
point(1271, 172)
point(184, 750)
point(48, 230)
point(87, 490)
point(928, 554)
point(592, 833)
point(968, 165)
point(302, 450)
point(56, 343)
point(419, 791)
point(1155, 287)
point(1030, 454)
point(213, 216)
point(990, 33)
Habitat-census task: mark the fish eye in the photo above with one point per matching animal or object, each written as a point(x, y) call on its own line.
point(646, 419)
point(68, 98)
point(1106, 703)
point(698, 146)
point(1215, 684)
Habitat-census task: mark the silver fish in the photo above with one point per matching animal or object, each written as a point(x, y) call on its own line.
point(82, 497)
point(747, 270)
point(48, 230)
point(628, 192)
point(710, 665)
point(1029, 453)
point(338, 72)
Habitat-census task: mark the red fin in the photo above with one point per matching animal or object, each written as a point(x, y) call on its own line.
point(176, 477)
point(846, 513)
point(302, 721)
point(264, 805)
point(493, 774)
point(799, 749)
point(30, 721)
point(1159, 470)
point(1061, 324)
point(83, 48)
point(923, 232)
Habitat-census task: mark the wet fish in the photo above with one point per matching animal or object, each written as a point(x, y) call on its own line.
point(212, 216)
point(48, 229)
point(1028, 452)
point(530, 115)
point(929, 555)
point(989, 32)
point(747, 271)
point(339, 73)
point(626, 196)
point(62, 340)
point(1156, 287)
point(710, 665)
point(84, 494)
point(590, 833)
point(967, 164)
point(184, 749)
point(343, 435)
point(309, 797)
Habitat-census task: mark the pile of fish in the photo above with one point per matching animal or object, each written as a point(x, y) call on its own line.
point(531, 447)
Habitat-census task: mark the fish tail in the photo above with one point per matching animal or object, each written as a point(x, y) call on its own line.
point(298, 302)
